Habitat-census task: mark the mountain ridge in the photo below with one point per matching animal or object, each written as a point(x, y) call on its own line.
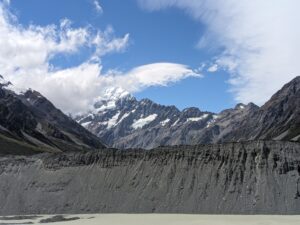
point(31, 119)
point(114, 122)
point(121, 121)
point(253, 177)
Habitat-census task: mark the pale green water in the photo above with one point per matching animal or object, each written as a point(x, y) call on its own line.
point(163, 219)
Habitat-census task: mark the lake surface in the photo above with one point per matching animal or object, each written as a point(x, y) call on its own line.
point(151, 219)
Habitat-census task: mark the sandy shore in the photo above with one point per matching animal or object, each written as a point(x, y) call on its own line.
point(157, 219)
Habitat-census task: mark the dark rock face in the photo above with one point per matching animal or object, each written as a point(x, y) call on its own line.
point(123, 122)
point(253, 177)
point(30, 121)
point(58, 218)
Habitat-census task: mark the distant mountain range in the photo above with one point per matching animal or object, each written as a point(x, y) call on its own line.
point(121, 121)
point(30, 123)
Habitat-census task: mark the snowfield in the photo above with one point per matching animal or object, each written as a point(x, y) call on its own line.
point(143, 121)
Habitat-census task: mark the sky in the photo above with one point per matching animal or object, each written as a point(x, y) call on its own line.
point(210, 54)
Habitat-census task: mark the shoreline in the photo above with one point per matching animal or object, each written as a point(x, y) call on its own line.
point(150, 219)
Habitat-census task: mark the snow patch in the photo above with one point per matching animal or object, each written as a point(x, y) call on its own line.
point(115, 93)
point(92, 116)
point(195, 119)
point(113, 121)
point(39, 127)
point(165, 122)
point(175, 123)
point(140, 123)
point(86, 124)
point(215, 117)
point(109, 99)
point(89, 116)
point(106, 106)
point(123, 117)
point(102, 123)
point(212, 121)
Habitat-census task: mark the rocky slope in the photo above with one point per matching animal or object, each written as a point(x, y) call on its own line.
point(31, 122)
point(251, 177)
point(121, 121)
point(278, 119)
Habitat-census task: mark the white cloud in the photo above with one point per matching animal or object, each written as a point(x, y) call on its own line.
point(29, 49)
point(98, 7)
point(213, 68)
point(260, 38)
point(26, 53)
point(75, 89)
point(157, 74)
point(105, 44)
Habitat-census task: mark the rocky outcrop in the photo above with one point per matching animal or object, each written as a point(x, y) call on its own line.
point(277, 119)
point(252, 177)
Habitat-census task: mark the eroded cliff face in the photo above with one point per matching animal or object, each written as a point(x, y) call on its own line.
point(251, 177)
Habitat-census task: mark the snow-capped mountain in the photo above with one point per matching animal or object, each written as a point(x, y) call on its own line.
point(121, 121)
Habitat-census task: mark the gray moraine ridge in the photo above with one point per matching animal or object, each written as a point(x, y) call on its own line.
point(256, 177)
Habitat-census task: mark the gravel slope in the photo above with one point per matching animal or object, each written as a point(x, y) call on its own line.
point(240, 178)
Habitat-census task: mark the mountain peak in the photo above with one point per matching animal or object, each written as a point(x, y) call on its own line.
point(293, 84)
point(29, 119)
point(289, 91)
point(115, 93)
point(240, 106)
point(3, 82)
point(110, 98)
point(296, 79)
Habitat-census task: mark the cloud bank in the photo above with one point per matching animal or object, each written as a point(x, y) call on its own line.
point(26, 55)
point(257, 41)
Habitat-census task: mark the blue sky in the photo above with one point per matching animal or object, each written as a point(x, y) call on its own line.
point(71, 51)
point(164, 36)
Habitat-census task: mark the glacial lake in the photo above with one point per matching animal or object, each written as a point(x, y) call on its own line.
point(151, 219)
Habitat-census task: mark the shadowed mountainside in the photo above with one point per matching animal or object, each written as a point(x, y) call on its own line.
point(32, 123)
